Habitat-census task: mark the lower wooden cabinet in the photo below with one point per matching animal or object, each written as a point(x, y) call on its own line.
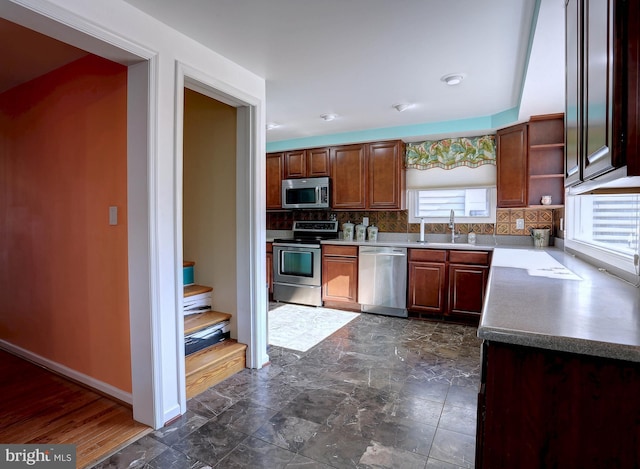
point(447, 284)
point(544, 408)
point(427, 282)
point(468, 274)
point(340, 276)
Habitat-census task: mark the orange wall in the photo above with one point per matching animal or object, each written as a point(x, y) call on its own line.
point(63, 268)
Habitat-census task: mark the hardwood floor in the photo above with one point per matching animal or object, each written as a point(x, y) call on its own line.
point(38, 406)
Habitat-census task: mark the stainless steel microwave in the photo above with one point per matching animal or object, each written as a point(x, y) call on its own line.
point(305, 193)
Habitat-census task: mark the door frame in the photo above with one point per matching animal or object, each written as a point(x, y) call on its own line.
point(251, 295)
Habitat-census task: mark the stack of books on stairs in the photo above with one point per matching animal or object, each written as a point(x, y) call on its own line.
point(210, 354)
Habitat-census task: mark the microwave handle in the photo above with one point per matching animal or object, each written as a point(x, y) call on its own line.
point(318, 194)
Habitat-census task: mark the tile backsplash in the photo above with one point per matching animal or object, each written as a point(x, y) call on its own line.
point(398, 221)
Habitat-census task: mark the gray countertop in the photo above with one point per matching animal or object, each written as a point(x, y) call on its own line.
point(560, 303)
point(415, 244)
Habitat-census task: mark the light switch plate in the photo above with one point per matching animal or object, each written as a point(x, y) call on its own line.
point(113, 215)
point(519, 223)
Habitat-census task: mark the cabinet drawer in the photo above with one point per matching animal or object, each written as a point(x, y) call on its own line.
point(469, 257)
point(333, 250)
point(269, 246)
point(428, 255)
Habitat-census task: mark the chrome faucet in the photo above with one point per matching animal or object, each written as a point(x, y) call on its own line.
point(452, 225)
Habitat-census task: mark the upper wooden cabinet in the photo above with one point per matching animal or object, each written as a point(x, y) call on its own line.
point(348, 177)
point(364, 176)
point(368, 176)
point(530, 162)
point(511, 161)
point(274, 180)
point(307, 163)
point(386, 176)
point(602, 54)
point(546, 158)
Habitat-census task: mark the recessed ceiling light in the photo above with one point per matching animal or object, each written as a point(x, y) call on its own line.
point(402, 107)
point(272, 125)
point(453, 78)
point(328, 117)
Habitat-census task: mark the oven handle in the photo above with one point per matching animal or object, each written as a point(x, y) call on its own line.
point(297, 285)
point(305, 247)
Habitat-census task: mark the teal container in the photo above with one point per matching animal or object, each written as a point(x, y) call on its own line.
point(187, 275)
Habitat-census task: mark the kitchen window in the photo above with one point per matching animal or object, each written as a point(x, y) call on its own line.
point(605, 227)
point(470, 205)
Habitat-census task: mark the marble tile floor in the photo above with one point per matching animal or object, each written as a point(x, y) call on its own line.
point(380, 392)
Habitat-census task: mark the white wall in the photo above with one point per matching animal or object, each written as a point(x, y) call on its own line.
point(543, 91)
point(209, 213)
point(115, 22)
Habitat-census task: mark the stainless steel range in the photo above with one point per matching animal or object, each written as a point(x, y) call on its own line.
point(297, 262)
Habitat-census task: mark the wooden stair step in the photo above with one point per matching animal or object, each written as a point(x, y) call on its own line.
point(212, 365)
point(191, 290)
point(199, 321)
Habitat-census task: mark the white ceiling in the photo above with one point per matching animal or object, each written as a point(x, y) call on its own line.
point(357, 58)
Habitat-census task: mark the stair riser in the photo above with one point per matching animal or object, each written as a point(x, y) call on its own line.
point(202, 380)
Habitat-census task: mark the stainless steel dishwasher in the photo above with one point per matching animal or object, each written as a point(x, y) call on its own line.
point(382, 280)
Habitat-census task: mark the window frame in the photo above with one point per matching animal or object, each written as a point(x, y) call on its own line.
point(412, 196)
point(599, 253)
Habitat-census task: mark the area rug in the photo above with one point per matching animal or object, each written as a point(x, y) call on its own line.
point(299, 327)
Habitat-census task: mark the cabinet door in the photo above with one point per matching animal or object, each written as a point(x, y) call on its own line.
point(295, 164)
point(348, 175)
point(340, 279)
point(573, 107)
point(274, 180)
point(318, 162)
point(512, 166)
point(427, 287)
point(466, 289)
point(598, 87)
point(386, 176)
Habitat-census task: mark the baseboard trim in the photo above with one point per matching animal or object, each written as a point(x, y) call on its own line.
point(67, 372)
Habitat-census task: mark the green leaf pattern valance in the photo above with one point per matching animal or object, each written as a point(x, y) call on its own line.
point(450, 153)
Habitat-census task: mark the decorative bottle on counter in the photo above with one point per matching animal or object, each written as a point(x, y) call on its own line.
point(372, 233)
point(361, 232)
point(347, 231)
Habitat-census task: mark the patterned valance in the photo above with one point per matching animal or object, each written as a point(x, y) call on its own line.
point(450, 153)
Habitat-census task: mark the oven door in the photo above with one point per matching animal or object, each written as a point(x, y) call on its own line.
point(297, 264)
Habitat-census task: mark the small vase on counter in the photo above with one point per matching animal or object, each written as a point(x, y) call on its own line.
point(347, 231)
